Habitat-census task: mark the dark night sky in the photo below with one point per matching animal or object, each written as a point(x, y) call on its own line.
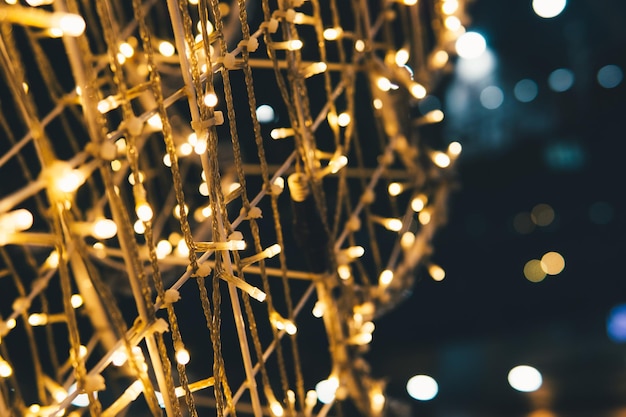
point(564, 149)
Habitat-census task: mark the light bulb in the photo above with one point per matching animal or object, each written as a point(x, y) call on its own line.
point(5, 369)
point(332, 34)
point(418, 203)
point(442, 160)
point(182, 356)
point(144, 211)
point(337, 163)
point(290, 327)
point(436, 272)
point(318, 309)
point(343, 119)
point(70, 24)
point(326, 389)
point(454, 149)
point(163, 248)
point(38, 319)
point(119, 358)
point(394, 225)
point(418, 90)
point(166, 48)
point(383, 83)
point(276, 408)
point(401, 57)
point(210, 99)
point(395, 188)
point(76, 300)
point(344, 272)
point(355, 251)
point(127, 49)
point(104, 229)
point(385, 277)
point(294, 44)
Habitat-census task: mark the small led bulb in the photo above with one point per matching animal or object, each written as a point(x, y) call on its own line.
point(182, 356)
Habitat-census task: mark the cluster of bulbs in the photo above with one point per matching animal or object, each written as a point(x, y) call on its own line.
point(351, 324)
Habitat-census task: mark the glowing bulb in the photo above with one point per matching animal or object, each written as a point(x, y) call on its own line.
point(332, 34)
point(395, 189)
point(385, 277)
point(139, 227)
point(5, 369)
point(470, 45)
point(525, 378)
point(402, 57)
point(383, 83)
point(418, 91)
point(449, 6)
point(355, 251)
point(410, 2)
point(163, 248)
point(276, 408)
point(442, 160)
point(272, 251)
point(69, 181)
point(439, 59)
point(210, 99)
point(359, 45)
point(182, 249)
point(76, 300)
point(167, 160)
point(155, 122)
point(422, 387)
point(38, 319)
point(16, 221)
point(394, 225)
point(200, 147)
point(377, 103)
point(294, 44)
point(344, 272)
point(182, 356)
point(452, 23)
point(552, 263)
point(104, 229)
point(119, 358)
point(454, 149)
point(290, 327)
point(407, 240)
point(127, 49)
point(548, 8)
point(52, 261)
point(166, 48)
point(70, 24)
point(337, 163)
point(436, 272)
point(343, 119)
point(318, 309)
point(81, 400)
point(326, 389)
point(424, 217)
point(418, 203)
point(185, 149)
point(144, 211)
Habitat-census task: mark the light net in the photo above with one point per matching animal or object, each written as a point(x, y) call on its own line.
point(205, 205)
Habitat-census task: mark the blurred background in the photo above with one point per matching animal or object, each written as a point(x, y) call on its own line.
point(535, 243)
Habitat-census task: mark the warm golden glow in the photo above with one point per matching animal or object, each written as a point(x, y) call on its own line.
point(436, 272)
point(182, 356)
point(343, 119)
point(542, 215)
point(331, 34)
point(402, 57)
point(533, 271)
point(449, 6)
point(166, 49)
point(552, 263)
point(395, 189)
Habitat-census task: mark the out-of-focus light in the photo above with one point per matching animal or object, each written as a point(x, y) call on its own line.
point(163, 248)
point(210, 100)
point(452, 23)
point(561, 80)
point(601, 212)
point(76, 300)
point(441, 159)
point(69, 23)
point(139, 227)
point(418, 203)
point(81, 400)
point(542, 214)
point(525, 90)
point(155, 122)
point(407, 240)
point(127, 49)
point(418, 91)
point(385, 277)
point(455, 149)
point(616, 323)
point(377, 103)
point(525, 378)
point(104, 229)
point(330, 34)
point(424, 217)
point(359, 45)
point(383, 83)
point(439, 59)
point(182, 356)
point(470, 45)
point(326, 389)
point(491, 97)
point(343, 119)
point(395, 189)
point(166, 48)
point(5, 369)
point(450, 6)
point(552, 263)
point(436, 272)
point(402, 57)
point(422, 387)
point(533, 271)
point(610, 76)
point(265, 113)
point(549, 8)
point(475, 69)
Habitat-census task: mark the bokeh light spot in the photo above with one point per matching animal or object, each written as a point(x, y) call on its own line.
point(265, 113)
point(533, 271)
point(561, 80)
point(610, 76)
point(470, 45)
point(422, 387)
point(525, 90)
point(552, 263)
point(549, 8)
point(616, 323)
point(525, 378)
point(542, 214)
point(601, 212)
point(523, 223)
point(491, 97)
